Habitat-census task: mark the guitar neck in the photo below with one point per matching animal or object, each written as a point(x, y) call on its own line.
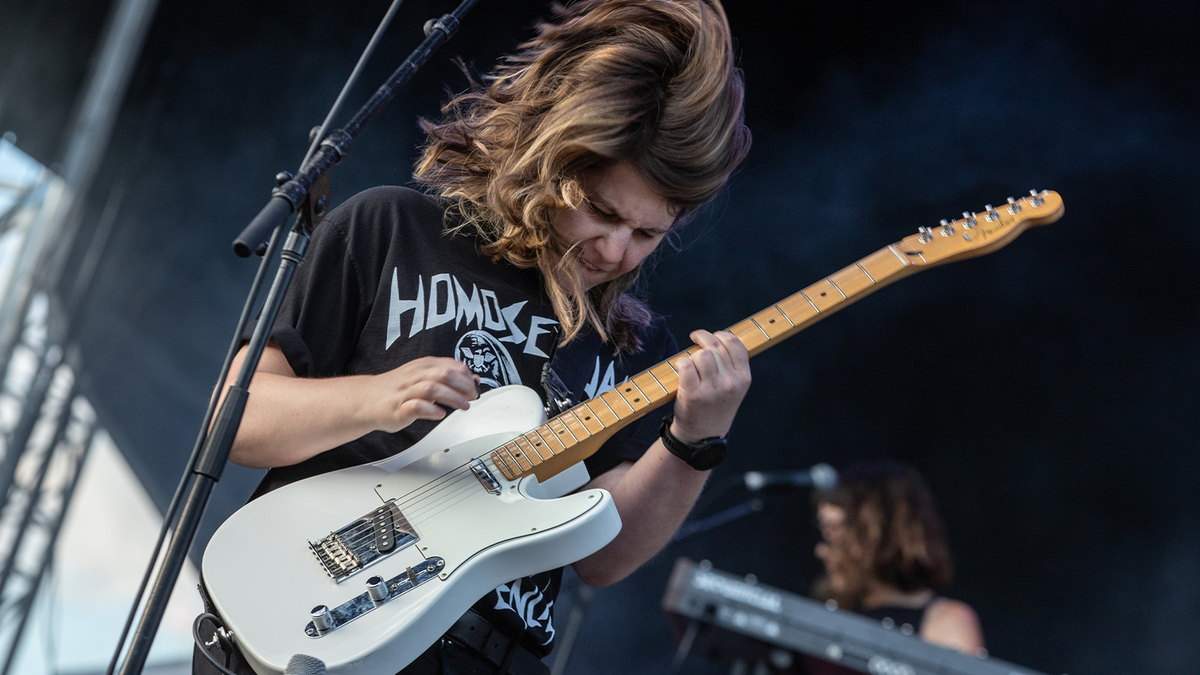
point(571, 437)
point(579, 432)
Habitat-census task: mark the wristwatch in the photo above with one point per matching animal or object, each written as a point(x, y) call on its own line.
point(701, 455)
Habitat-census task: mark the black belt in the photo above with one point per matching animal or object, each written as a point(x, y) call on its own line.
point(477, 634)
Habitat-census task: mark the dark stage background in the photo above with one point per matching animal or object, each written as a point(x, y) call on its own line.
point(1047, 391)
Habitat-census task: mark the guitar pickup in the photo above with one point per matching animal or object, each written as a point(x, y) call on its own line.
point(368, 539)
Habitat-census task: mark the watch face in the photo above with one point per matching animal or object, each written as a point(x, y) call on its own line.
point(708, 456)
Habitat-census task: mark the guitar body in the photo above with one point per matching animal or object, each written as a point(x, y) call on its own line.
point(463, 540)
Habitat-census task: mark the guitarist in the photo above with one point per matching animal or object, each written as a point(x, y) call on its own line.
point(546, 192)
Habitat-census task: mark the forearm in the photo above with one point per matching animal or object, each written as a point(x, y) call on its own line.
point(289, 419)
point(653, 496)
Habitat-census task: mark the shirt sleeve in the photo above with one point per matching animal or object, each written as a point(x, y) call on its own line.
point(328, 301)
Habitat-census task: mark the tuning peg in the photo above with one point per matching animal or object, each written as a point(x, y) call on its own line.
point(924, 234)
point(947, 228)
point(1035, 199)
point(990, 214)
point(1013, 207)
point(969, 220)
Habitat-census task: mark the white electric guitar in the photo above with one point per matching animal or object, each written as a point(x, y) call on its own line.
point(365, 567)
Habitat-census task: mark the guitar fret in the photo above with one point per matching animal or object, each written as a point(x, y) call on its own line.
point(824, 295)
point(773, 322)
point(590, 416)
point(835, 287)
point(559, 434)
point(607, 398)
point(657, 381)
point(647, 381)
point(753, 339)
point(903, 261)
point(639, 400)
point(542, 431)
point(616, 417)
point(529, 449)
point(532, 458)
point(814, 305)
point(882, 264)
point(522, 460)
point(512, 455)
point(577, 428)
point(783, 314)
point(759, 326)
point(666, 377)
point(851, 281)
point(505, 467)
point(864, 271)
point(535, 441)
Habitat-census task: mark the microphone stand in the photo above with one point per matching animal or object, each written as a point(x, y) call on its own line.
point(308, 194)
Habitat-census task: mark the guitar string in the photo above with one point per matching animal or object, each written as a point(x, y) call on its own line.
point(411, 508)
point(365, 531)
point(434, 496)
point(417, 503)
point(406, 504)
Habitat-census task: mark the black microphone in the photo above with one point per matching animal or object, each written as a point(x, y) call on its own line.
point(303, 664)
point(820, 477)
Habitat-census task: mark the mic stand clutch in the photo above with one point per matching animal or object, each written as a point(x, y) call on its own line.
point(308, 193)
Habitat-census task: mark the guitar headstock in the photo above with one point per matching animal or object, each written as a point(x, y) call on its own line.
point(979, 233)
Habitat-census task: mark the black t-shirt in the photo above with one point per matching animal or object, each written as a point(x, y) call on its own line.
point(381, 284)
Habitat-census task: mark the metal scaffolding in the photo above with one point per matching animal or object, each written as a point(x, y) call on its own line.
point(47, 428)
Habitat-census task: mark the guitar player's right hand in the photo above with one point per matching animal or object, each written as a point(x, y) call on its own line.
point(419, 389)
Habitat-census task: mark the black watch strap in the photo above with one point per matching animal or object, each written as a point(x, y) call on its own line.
point(701, 455)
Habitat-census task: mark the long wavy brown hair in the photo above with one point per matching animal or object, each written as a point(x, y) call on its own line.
point(892, 532)
point(651, 82)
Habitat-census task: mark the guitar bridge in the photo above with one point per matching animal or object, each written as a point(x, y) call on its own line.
point(367, 540)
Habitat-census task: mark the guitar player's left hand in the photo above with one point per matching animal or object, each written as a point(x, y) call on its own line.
point(654, 494)
point(712, 383)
